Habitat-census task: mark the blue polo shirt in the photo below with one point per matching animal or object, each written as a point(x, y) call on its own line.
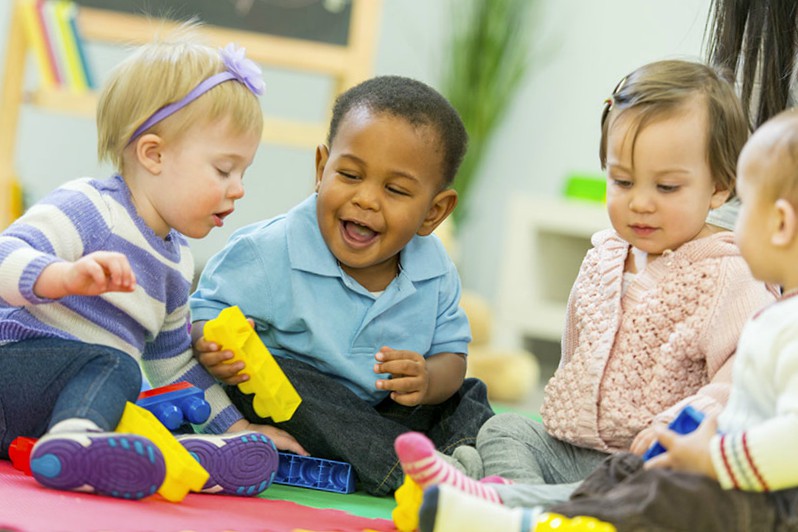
point(281, 273)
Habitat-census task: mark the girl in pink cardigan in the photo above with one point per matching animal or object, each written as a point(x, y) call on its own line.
point(657, 308)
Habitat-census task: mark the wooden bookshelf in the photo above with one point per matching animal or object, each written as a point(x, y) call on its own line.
point(346, 65)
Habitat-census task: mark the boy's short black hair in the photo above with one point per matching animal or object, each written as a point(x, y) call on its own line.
point(414, 101)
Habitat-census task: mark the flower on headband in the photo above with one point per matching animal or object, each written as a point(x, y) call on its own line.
point(245, 70)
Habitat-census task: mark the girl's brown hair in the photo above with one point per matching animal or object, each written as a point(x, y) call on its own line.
point(661, 89)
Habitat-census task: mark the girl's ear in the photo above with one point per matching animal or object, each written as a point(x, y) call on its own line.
point(719, 198)
point(786, 223)
point(322, 155)
point(442, 206)
point(148, 152)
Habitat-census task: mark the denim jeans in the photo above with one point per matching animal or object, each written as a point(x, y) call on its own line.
point(634, 499)
point(544, 469)
point(47, 380)
point(334, 423)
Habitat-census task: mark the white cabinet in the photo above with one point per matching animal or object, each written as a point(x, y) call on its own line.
point(547, 238)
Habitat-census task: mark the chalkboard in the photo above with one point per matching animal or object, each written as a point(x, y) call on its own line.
point(325, 21)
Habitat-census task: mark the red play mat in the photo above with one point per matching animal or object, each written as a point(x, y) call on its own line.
point(27, 506)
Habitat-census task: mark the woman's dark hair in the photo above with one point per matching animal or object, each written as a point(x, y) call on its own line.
point(757, 40)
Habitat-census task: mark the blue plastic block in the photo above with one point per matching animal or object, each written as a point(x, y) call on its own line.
point(176, 404)
point(315, 473)
point(687, 421)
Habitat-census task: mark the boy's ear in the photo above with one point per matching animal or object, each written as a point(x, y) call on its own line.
point(148, 152)
point(719, 198)
point(442, 206)
point(786, 223)
point(322, 154)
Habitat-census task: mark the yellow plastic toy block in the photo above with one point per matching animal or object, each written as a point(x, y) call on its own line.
point(275, 396)
point(559, 523)
point(183, 472)
point(408, 501)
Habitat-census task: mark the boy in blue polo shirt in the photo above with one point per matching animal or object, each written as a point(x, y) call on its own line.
point(353, 294)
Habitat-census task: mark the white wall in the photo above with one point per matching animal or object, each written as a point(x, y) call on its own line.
point(584, 46)
point(554, 128)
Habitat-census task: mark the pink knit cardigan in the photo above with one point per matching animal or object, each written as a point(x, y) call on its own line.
point(669, 341)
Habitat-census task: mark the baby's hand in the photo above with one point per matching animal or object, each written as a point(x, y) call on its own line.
point(215, 360)
point(409, 380)
point(689, 452)
point(91, 275)
point(282, 440)
point(645, 438)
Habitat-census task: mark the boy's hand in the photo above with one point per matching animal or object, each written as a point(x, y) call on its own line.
point(409, 380)
point(282, 440)
point(215, 360)
point(91, 275)
point(646, 438)
point(689, 452)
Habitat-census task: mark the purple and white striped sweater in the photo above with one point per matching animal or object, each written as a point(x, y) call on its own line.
point(150, 323)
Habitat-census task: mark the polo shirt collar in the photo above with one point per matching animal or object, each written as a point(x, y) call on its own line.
point(307, 250)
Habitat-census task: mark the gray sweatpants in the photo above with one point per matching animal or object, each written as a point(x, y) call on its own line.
point(544, 469)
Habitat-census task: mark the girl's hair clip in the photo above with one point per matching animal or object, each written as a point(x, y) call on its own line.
point(609, 102)
point(245, 70)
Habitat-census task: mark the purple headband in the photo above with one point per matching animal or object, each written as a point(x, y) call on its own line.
point(239, 68)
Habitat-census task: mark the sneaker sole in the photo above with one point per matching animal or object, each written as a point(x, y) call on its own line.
point(242, 465)
point(124, 466)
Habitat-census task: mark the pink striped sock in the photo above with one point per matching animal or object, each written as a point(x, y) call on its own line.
point(495, 479)
point(417, 455)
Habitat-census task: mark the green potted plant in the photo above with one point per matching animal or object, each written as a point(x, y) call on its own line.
point(487, 57)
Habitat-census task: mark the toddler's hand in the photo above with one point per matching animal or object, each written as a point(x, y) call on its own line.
point(409, 380)
point(282, 440)
point(91, 275)
point(216, 361)
point(646, 438)
point(689, 452)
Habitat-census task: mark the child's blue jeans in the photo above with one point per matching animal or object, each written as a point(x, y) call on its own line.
point(47, 380)
point(334, 423)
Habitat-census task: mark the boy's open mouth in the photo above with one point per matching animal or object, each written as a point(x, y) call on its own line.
point(357, 233)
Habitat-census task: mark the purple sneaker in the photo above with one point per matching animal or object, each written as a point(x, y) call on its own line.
point(119, 465)
point(242, 463)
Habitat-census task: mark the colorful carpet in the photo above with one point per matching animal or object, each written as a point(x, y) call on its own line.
point(27, 506)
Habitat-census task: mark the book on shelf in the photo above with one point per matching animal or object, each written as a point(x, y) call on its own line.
point(47, 23)
point(51, 29)
point(67, 41)
point(84, 60)
point(34, 34)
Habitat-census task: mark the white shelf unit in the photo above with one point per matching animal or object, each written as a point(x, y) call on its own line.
point(546, 241)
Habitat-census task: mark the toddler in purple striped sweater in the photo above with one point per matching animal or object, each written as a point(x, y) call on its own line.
point(96, 278)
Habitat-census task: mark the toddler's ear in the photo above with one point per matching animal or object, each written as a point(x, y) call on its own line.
point(442, 206)
point(719, 198)
point(148, 152)
point(322, 154)
point(787, 223)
